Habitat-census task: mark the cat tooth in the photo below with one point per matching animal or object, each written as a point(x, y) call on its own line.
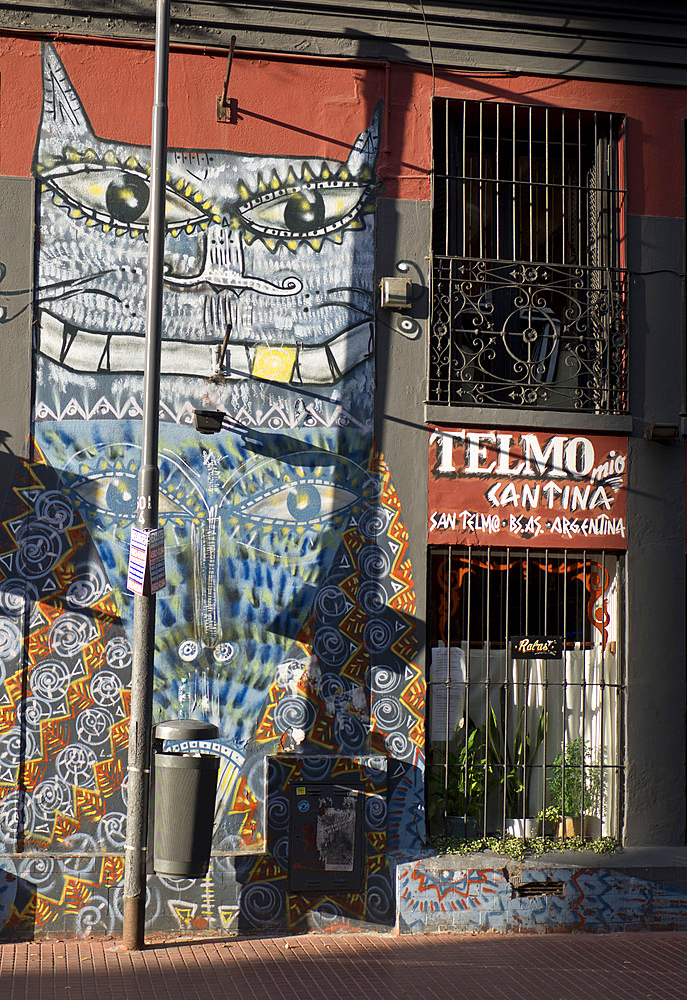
point(204, 226)
point(271, 245)
point(75, 213)
point(134, 233)
point(336, 237)
point(120, 232)
point(174, 232)
point(90, 156)
point(316, 244)
point(325, 173)
point(198, 196)
point(91, 222)
point(106, 227)
point(275, 183)
point(292, 245)
point(344, 174)
point(248, 238)
point(307, 174)
point(206, 205)
point(110, 158)
point(217, 219)
point(179, 184)
point(132, 162)
point(244, 193)
point(261, 184)
point(290, 176)
point(190, 227)
point(189, 190)
point(71, 154)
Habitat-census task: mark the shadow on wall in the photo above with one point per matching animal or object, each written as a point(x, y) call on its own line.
point(18, 899)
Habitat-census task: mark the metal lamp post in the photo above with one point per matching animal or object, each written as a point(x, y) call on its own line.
point(140, 725)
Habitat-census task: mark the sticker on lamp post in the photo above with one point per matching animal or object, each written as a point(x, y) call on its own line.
point(146, 572)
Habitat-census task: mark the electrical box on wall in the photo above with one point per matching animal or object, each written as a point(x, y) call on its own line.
point(326, 849)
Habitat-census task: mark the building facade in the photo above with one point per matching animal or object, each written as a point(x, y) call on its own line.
point(430, 573)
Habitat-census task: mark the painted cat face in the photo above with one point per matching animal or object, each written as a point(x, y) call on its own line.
point(263, 245)
point(280, 250)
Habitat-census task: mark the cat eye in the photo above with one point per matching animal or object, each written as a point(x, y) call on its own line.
point(117, 198)
point(116, 494)
point(304, 502)
point(290, 214)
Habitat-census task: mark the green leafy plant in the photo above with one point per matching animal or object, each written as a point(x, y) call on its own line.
point(512, 767)
point(575, 784)
point(468, 770)
point(549, 815)
point(514, 847)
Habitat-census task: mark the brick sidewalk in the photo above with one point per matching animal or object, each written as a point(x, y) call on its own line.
point(648, 966)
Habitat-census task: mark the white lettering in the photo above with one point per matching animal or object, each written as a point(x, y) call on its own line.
point(579, 456)
point(477, 452)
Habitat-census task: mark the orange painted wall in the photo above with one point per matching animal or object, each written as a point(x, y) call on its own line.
point(318, 108)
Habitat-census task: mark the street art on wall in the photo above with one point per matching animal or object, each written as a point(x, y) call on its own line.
point(288, 616)
point(535, 898)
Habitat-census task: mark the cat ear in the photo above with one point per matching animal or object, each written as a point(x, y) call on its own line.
point(366, 147)
point(63, 119)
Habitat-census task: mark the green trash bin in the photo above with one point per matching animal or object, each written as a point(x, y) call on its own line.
point(184, 790)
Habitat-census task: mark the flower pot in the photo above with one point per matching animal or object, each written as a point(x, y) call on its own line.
point(573, 826)
point(523, 829)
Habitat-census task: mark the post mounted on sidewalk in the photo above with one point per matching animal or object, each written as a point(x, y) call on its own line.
point(140, 725)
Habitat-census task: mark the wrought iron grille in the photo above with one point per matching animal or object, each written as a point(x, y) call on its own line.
point(521, 740)
point(529, 286)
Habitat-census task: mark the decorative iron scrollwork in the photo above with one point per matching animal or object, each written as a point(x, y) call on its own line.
point(528, 335)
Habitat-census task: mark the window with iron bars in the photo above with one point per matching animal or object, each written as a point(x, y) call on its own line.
point(518, 743)
point(529, 287)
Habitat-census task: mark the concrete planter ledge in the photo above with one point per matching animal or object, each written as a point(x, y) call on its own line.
point(638, 888)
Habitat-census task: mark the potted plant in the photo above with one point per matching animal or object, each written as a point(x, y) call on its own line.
point(459, 796)
point(512, 766)
point(575, 786)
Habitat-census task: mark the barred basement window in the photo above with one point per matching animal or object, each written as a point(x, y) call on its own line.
point(529, 287)
point(525, 711)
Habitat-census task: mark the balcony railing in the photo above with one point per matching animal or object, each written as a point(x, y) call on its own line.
point(520, 334)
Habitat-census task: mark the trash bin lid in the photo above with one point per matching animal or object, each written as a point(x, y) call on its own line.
point(185, 729)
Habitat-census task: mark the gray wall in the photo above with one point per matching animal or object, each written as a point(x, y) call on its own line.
point(401, 348)
point(655, 730)
point(16, 255)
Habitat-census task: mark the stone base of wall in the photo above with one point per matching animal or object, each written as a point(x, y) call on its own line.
point(631, 892)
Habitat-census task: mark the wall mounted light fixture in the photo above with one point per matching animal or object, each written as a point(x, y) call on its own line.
point(208, 421)
point(663, 433)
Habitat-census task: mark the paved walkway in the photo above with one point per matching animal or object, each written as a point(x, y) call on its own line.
point(650, 966)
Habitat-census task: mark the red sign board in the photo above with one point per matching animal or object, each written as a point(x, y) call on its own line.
point(526, 488)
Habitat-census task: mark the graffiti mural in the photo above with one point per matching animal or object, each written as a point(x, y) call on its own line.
point(537, 898)
point(288, 616)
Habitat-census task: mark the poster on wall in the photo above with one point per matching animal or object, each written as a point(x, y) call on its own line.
point(526, 488)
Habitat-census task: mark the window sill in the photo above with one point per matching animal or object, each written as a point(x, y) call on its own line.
point(485, 416)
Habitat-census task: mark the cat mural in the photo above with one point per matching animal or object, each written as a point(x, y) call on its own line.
point(263, 522)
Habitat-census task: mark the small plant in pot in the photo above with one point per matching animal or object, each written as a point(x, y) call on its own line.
point(513, 768)
point(461, 788)
point(575, 786)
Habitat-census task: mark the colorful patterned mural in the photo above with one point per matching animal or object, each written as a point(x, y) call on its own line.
point(535, 898)
point(288, 616)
